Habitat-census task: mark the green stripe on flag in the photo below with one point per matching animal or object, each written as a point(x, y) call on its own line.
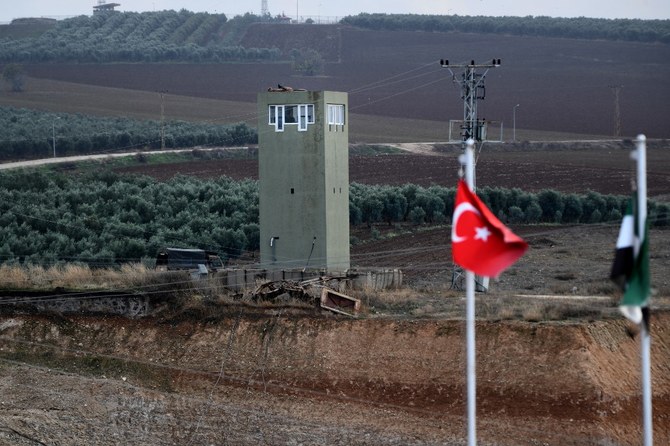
point(638, 287)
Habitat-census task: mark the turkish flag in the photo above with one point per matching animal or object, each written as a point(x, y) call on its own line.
point(479, 241)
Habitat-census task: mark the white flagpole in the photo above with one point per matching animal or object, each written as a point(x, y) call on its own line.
point(640, 156)
point(470, 314)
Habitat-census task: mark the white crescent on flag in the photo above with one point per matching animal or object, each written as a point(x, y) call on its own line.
point(460, 209)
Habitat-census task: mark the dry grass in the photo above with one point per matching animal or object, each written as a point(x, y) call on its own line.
point(12, 277)
point(401, 300)
point(209, 297)
point(451, 304)
point(79, 277)
point(534, 313)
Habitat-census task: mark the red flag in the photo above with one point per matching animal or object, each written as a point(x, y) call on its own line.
point(479, 241)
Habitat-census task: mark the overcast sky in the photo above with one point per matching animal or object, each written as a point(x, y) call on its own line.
point(643, 9)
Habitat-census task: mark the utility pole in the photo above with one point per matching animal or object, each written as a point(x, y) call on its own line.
point(514, 122)
point(616, 89)
point(473, 88)
point(53, 133)
point(162, 93)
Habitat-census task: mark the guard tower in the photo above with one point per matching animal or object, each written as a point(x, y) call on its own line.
point(104, 8)
point(303, 168)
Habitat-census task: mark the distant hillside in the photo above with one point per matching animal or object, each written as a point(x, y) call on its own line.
point(562, 84)
point(326, 39)
point(632, 30)
point(184, 36)
point(181, 36)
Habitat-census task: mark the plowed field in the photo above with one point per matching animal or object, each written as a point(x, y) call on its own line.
point(561, 85)
point(573, 167)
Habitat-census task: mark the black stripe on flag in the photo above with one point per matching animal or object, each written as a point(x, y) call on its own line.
point(624, 258)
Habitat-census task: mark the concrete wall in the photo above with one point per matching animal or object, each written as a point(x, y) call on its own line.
point(365, 279)
point(304, 186)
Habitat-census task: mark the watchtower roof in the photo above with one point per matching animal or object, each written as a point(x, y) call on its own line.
point(105, 7)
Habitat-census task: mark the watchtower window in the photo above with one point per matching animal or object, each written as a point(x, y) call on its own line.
point(291, 114)
point(335, 114)
point(300, 114)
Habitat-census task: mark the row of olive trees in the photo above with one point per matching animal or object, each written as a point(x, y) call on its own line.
point(102, 218)
point(30, 134)
point(136, 37)
point(581, 27)
point(419, 205)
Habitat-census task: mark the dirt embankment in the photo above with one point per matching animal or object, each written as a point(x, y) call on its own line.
point(290, 379)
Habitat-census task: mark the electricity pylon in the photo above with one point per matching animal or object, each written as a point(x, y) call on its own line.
point(473, 88)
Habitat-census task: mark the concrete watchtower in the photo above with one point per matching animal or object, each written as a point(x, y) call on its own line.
point(303, 140)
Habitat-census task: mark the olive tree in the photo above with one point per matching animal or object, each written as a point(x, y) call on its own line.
point(14, 75)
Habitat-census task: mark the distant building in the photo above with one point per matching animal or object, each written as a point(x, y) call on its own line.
point(103, 8)
point(303, 159)
point(282, 19)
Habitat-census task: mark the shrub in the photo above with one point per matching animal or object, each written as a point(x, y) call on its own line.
point(660, 216)
point(533, 212)
point(417, 215)
point(307, 61)
point(515, 215)
point(551, 203)
point(593, 201)
point(596, 217)
point(572, 211)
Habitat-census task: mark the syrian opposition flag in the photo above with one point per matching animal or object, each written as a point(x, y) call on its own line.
point(630, 269)
point(479, 241)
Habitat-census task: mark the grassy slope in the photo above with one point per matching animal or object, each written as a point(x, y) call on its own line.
point(44, 94)
point(67, 97)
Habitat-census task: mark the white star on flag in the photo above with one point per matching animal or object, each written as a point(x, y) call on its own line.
point(482, 233)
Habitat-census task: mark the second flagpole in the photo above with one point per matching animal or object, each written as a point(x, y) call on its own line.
point(468, 161)
point(640, 156)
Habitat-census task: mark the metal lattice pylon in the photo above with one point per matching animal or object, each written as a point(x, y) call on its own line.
point(473, 88)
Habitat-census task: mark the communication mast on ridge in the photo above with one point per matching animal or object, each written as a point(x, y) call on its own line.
point(264, 8)
point(473, 88)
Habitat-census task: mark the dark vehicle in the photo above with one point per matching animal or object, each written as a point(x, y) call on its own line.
point(177, 258)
